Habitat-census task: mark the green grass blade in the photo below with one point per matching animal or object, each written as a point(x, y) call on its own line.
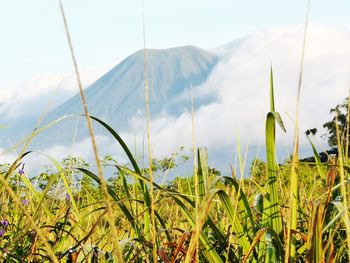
point(43, 194)
point(235, 221)
point(245, 210)
point(203, 171)
point(317, 160)
point(273, 208)
point(208, 250)
point(117, 200)
point(270, 250)
point(14, 166)
point(271, 214)
point(121, 142)
point(35, 133)
point(64, 179)
point(339, 206)
point(272, 95)
point(146, 193)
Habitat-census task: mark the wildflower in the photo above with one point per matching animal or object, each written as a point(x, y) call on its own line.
point(67, 197)
point(4, 222)
point(25, 202)
point(2, 232)
point(21, 170)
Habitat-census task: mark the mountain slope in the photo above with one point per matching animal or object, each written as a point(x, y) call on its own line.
point(119, 95)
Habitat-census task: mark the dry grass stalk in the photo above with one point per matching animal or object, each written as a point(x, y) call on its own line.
point(149, 146)
point(93, 141)
point(291, 240)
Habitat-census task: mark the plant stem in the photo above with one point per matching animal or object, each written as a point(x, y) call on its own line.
point(110, 216)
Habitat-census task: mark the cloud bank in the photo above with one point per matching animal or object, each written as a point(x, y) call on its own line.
point(238, 89)
point(43, 91)
point(239, 86)
point(239, 92)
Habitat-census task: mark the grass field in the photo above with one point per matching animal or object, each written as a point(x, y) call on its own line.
point(290, 212)
point(67, 214)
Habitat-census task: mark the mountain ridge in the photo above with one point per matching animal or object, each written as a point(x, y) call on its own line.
point(118, 96)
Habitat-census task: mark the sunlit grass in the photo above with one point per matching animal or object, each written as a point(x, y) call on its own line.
point(238, 219)
point(290, 212)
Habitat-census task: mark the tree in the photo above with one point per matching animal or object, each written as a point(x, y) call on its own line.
point(340, 117)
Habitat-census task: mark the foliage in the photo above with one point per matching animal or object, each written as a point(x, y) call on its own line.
point(339, 117)
point(63, 210)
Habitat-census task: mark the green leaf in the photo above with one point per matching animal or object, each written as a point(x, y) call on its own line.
point(317, 160)
point(279, 120)
point(203, 171)
point(272, 208)
point(118, 201)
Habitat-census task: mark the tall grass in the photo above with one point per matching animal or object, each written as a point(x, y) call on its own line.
point(343, 188)
point(233, 225)
point(205, 217)
point(294, 200)
point(149, 150)
point(193, 250)
point(271, 218)
point(116, 249)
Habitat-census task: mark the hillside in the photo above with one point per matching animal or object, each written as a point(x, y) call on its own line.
point(118, 96)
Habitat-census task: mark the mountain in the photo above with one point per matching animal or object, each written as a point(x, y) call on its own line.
point(119, 95)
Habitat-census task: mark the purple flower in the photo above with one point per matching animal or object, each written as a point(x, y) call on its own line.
point(21, 170)
point(67, 197)
point(4, 222)
point(25, 202)
point(2, 232)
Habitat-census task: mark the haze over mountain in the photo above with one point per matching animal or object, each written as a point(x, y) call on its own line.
point(119, 95)
point(231, 92)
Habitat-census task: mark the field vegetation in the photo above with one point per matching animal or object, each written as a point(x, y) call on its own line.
point(61, 214)
point(291, 212)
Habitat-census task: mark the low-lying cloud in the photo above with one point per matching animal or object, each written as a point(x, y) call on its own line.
point(44, 91)
point(239, 91)
point(240, 86)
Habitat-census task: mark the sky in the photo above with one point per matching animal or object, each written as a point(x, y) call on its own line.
point(36, 60)
point(33, 40)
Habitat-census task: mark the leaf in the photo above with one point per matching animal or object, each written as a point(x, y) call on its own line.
point(341, 209)
point(317, 160)
point(203, 174)
point(117, 200)
point(272, 208)
point(146, 194)
point(279, 120)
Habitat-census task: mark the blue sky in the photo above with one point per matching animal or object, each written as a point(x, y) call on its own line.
point(104, 32)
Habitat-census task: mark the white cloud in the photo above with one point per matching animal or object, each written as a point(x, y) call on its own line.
point(8, 157)
point(82, 149)
point(240, 84)
point(29, 99)
point(240, 87)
